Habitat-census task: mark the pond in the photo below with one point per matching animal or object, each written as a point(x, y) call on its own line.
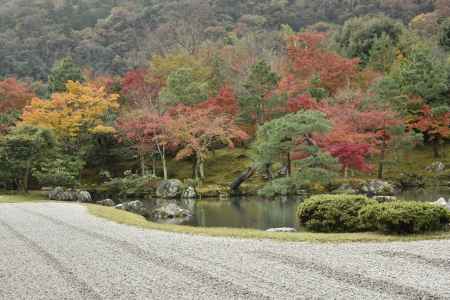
point(257, 213)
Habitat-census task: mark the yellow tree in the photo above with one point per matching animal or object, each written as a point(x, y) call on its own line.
point(81, 109)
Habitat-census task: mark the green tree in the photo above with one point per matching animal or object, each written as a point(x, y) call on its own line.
point(63, 71)
point(260, 82)
point(183, 88)
point(281, 137)
point(21, 150)
point(425, 74)
point(444, 34)
point(358, 35)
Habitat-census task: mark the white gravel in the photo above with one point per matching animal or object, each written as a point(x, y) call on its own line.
point(59, 251)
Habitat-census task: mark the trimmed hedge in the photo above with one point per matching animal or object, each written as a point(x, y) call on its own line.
point(405, 217)
point(333, 213)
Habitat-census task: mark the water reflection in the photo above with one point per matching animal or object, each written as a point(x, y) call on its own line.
point(246, 213)
point(254, 212)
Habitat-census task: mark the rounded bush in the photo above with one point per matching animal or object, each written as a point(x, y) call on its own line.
point(405, 217)
point(333, 213)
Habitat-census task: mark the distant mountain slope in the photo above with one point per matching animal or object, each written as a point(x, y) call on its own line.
point(111, 36)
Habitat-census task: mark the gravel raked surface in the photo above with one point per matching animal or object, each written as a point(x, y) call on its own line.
point(59, 251)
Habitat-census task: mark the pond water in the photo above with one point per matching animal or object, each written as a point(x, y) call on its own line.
point(254, 212)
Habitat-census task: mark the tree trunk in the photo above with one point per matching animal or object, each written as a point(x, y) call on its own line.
point(345, 172)
point(268, 171)
point(436, 152)
point(382, 158)
point(164, 163)
point(154, 165)
point(289, 165)
point(242, 178)
point(201, 168)
point(142, 162)
point(26, 176)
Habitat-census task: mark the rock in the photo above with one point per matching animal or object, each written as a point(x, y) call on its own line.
point(136, 207)
point(436, 167)
point(378, 188)
point(189, 193)
point(68, 195)
point(55, 193)
point(383, 199)
point(170, 189)
point(106, 202)
point(282, 229)
point(345, 189)
point(441, 202)
point(60, 194)
point(84, 196)
point(171, 211)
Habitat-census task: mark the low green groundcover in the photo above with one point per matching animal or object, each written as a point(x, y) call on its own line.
point(405, 217)
point(333, 213)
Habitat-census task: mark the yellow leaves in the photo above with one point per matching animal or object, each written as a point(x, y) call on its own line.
point(80, 109)
point(102, 129)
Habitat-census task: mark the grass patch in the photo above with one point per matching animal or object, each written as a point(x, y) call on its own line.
point(18, 198)
point(123, 217)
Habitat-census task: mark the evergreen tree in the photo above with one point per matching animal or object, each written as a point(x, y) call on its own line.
point(63, 71)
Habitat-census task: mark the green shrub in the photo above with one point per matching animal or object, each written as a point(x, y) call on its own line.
point(131, 185)
point(333, 213)
point(405, 217)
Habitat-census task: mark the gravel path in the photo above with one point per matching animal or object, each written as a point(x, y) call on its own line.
point(59, 251)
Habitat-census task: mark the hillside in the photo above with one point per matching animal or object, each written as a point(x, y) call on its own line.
point(111, 36)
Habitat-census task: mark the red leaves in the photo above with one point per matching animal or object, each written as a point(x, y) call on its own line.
point(13, 95)
point(224, 102)
point(196, 129)
point(352, 156)
point(434, 124)
point(309, 61)
point(358, 130)
point(141, 88)
point(144, 129)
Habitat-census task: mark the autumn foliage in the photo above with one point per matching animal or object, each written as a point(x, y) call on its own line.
point(310, 65)
point(82, 108)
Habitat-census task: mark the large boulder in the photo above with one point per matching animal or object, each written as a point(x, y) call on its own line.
point(136, 207)
point(170, 189)
point(106, 202)
point(383, 199)
point(171, 211)
point(282, 229)
point(84, 196)
point(442, 202)
point(189, 193)
point(436, 167)
point(345, 189)
point(378, 188)
point(61, 194)
point(55, 194)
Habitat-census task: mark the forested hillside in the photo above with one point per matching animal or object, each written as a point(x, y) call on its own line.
point(298, 91)
point(111, 36)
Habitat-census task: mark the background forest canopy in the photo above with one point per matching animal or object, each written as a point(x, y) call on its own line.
point(321, 87)
point(112, 36)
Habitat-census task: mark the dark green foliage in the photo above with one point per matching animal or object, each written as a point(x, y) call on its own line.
point(63, 71)
point(111, 35)
point(131, 185)
point(260, 82)
point(358, 36)
point(424, 73)
point(405, 217)
point(60, 171)
point(444, 34)
point(333, 213)
point(182, 87)
point(22, 149)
